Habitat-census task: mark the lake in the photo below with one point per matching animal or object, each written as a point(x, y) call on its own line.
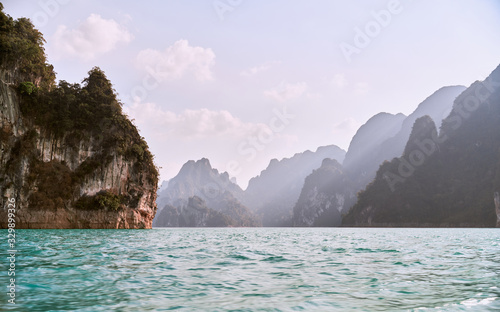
point(255, 269)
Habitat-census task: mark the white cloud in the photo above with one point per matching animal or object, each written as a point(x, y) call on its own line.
point(257, 69)
point(239, 147)
point(192, 124)
point(339, 81)
point(95, 36)
point(178, 60)
point(286, 91)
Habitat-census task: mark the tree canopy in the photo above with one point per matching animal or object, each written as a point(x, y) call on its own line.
point(21, 49)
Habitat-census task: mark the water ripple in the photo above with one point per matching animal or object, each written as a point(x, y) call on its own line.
point(258, 270)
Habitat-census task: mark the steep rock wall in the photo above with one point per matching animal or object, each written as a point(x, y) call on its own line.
point(24, 147)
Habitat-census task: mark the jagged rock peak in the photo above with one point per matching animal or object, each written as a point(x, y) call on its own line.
point(202, 164)
point(330, 163)
point(423, 128)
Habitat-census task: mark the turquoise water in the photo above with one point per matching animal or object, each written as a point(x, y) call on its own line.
point(256, 269)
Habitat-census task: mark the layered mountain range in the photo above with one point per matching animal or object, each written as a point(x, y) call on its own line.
point(201, 196)
point(268, 200)
point(273, 193)
point(319, 188)
point(446, 178)
point(70, 158)
point(381, 138)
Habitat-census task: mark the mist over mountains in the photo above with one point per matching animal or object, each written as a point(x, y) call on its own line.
point(321, 188)
point(270, 196)
point(446, 179)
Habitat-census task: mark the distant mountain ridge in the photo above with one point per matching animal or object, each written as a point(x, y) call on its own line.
point(309, 188)
point(445, 180)
point(273, 193)
point(199, 179)
point(369, 137)
point(380, 139)
point(200, 191)
point(385, 137)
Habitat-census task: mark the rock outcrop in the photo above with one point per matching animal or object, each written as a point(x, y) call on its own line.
point(69, 157)
point(36, 165)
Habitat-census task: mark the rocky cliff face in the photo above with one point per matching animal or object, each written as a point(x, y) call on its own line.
point(69, 157)
point(327, 193)
point(442, 180)
point(36, 165)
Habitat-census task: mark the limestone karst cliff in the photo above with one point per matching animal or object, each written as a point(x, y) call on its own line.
point(69, 157)
point(201, 196)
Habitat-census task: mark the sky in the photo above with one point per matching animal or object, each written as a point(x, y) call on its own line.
point(241, 82)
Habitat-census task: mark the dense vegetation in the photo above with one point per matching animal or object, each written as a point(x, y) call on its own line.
point(21, 49)
point(72, 114)
point(77, 113)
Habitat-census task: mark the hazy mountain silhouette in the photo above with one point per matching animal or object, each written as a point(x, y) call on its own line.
point(445, 180)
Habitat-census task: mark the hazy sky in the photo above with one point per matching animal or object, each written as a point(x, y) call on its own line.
point(244, 81)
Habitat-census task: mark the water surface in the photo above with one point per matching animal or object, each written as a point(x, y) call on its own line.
point(256, 269)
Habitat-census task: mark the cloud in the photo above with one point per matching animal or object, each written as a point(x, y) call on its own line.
point(94, 37)
point(239, 147)
point(192, 124)
point(286, 91)
point(257, 69)
point(178, 60)
point(339, 81)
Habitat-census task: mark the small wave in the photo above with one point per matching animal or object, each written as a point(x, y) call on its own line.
point(239, 257)
point(274, 259)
